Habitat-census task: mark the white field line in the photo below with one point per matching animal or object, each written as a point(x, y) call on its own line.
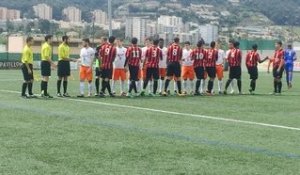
point(179, 113)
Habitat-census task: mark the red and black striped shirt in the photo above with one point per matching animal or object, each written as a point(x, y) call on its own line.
point(174, 53)
point(252, 58)
point(134, 55)
point(278, 57)
point(153, 55)
point(211, 58)
point(198, 55)
point(108, 53)
point(235, 58)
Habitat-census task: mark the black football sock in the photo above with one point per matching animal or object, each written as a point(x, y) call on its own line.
point(227, 84)
point(45, 88)
point(58, 86)
point(103, 86)
point(24, 87)
point(131, 86)
point(253, 85)
point(279, 86)
point(97, 83)
point(134, 86)
point(167, 84)
point(145, 84)
point(239, 83)
point(65, 86)
point(275, 86)
point(30, 88)
point(198, 83)
point(210, 86)
point(108, 87)
point(155, 85)
point(42, 86)
point(179, 86)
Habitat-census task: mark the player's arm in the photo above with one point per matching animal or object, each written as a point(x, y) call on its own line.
point(269, 64)
point(281, 64)
point(127, 55)
point(160, 54)
point(263, 60)
point(295, 56)
point(27, 55)
point(114, 50)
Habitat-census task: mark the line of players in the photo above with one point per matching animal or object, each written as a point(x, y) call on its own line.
point(153, 65)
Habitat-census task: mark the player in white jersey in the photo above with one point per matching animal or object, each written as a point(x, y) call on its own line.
point(220, 67)
point(162, 65)
point(119, 72)
point(187, 72)
point(86, 69)
point(148, 44)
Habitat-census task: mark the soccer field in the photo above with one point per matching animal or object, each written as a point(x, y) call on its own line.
point(222, 135)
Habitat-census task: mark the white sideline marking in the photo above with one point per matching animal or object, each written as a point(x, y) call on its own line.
point(179, 113)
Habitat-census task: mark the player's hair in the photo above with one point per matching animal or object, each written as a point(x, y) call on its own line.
point(176, 40)
point(236, 44)
point(148, 38)
point(47, 37)
point(112, 39)
point(290, 45)
point(200, 43)
point(104, 39)
point(86, 40)
point(161, 39)
point(187, 42)
point(64, 38)
point(254, 46)
point(121, 39)
point(155, 42)
point(134, 40)
point(28, 39)
point(213, 44)
point(279, 43)
point(232, 41)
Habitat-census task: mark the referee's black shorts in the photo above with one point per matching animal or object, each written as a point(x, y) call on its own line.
point(63, 68)
point(253, 72)
point(45, 68)
point(235, 72)
point(174, 69)
point(199, 71)
point(211, 72)
point(26, 75)
point(277, 74)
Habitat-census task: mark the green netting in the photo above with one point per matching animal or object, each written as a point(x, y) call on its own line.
point(262, 44)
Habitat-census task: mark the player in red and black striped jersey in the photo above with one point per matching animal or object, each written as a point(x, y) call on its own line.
point(174, 68)
point(234, 59)
point(210, 65)
point(278, 67)
point(152, 57)
point(133, 60)
point(252, 59)
point(108, 53)
point(198, 55)
point(97, 69)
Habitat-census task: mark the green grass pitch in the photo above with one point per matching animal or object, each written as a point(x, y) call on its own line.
point(173, 135)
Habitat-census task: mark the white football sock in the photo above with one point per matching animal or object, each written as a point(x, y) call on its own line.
point(81, 88)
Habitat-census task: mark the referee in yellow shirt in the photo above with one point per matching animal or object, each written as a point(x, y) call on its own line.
point(27, 70)
point(63, 66)
point(46, 56)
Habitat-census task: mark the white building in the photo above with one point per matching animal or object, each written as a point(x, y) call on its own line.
point(72, 14)
point(167, 24)
point(136, 27)
point(43, 11)
point(9, 14)
point(209, 32)
point(100, 17)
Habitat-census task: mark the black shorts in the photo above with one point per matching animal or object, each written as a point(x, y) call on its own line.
point(211, 72)
point(253, 72)
point(98, 72)
point(152, 73)
point(174, 69)
point(199, 71)
point(235, 72)
point(107, 73)
point(26, 75)
point(277, 74)
point(45, 68)
point(134, 73)
point(63, 68)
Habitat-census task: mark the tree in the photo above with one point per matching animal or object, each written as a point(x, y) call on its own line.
point(44, 26)
point(9, 26)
